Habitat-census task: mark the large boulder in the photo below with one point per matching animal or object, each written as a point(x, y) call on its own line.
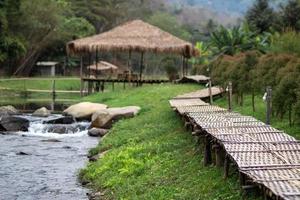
point(13, 124)
point(105, 118)
point(97, 132)
point(84, 110)
point(42, 112)
point(8, 110)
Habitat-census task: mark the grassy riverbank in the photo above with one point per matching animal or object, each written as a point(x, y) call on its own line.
point(260, 113)
point(152, 156)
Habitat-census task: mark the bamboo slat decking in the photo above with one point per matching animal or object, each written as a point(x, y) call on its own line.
point(200, 94)
point(194, 79)
point(265, 157)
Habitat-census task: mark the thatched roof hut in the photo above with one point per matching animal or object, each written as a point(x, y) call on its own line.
point(103, 66)
point(133, 36)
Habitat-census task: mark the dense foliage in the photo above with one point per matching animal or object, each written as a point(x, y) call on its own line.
point(34, 30)
point(252, 72)
point(30, 27)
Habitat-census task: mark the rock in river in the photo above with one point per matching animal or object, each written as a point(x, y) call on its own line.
point(42, 112)
point(105, 118)
point(62, 129)
point(97, 132)
point(8, 110)
point(60, 120)
point(84, 110)
point(13, 124)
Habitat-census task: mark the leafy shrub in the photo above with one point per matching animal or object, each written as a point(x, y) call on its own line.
point(288, 42)
point(169, 64)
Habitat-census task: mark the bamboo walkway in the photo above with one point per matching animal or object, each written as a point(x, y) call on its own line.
point(265, 157)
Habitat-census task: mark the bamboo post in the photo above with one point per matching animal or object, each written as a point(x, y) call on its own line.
point(210, 92)
point(219, 156)
point(207, 152)
point(269, 108)
point(242, 179)
point(182, 67)
point(230, 96)
point(66, 65)
point(129, 67)
point(81, 76)
point(90, 63)
point(141, 67)
point(186, 67)
point(226, 166)
point(53, 90)
point(102, 86)
point(97, 60)
point(25, 88)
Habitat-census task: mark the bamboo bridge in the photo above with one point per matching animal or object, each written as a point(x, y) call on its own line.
point(266, 158)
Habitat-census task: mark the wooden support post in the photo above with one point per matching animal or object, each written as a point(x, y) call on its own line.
point(226, 166)
point(141, 67)
point(25, 88)
point(269, 108)
point(113, 85)
point(230, 96)
point(129, 67)
point(66, 65)
point(207, 152)
point(210, 92)
point(186, 67)
point(97, 86)
point(102, 86)
point(220, 156)
point(242, 179)
point(97, 60)
point(182, 67)
point(81, 76)
point(187, 125)
point(90, 87)
point(90, 63)
point(53, 90)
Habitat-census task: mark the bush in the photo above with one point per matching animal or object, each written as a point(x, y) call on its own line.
point(169, 64)
point(252, 72)
point(288, 42)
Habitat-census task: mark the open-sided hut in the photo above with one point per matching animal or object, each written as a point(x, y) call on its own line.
point(134, 36)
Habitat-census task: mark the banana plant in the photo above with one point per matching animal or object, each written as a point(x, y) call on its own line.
point(204, 52)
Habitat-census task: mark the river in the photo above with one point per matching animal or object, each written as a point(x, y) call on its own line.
point(34, 168)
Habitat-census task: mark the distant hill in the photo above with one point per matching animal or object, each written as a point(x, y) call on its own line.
point(235, 8)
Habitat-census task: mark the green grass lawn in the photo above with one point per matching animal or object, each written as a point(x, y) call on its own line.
point(151, 156)
point(12, 90)
point(260, 114)
point(41, 84)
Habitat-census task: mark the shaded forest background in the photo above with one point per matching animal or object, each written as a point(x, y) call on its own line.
point(33, 30)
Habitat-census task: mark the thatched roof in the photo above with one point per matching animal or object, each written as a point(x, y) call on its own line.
point(133, 36)
point(103, 66)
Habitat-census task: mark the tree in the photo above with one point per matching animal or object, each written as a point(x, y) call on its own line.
point(261, 17)
point(291, 14)
point(12, 46)
point(43, 23)
point(169, 23)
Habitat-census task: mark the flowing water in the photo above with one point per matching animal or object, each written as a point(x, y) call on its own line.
point(34, 167)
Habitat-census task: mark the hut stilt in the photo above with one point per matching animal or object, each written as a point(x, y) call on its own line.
point(141, 67)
